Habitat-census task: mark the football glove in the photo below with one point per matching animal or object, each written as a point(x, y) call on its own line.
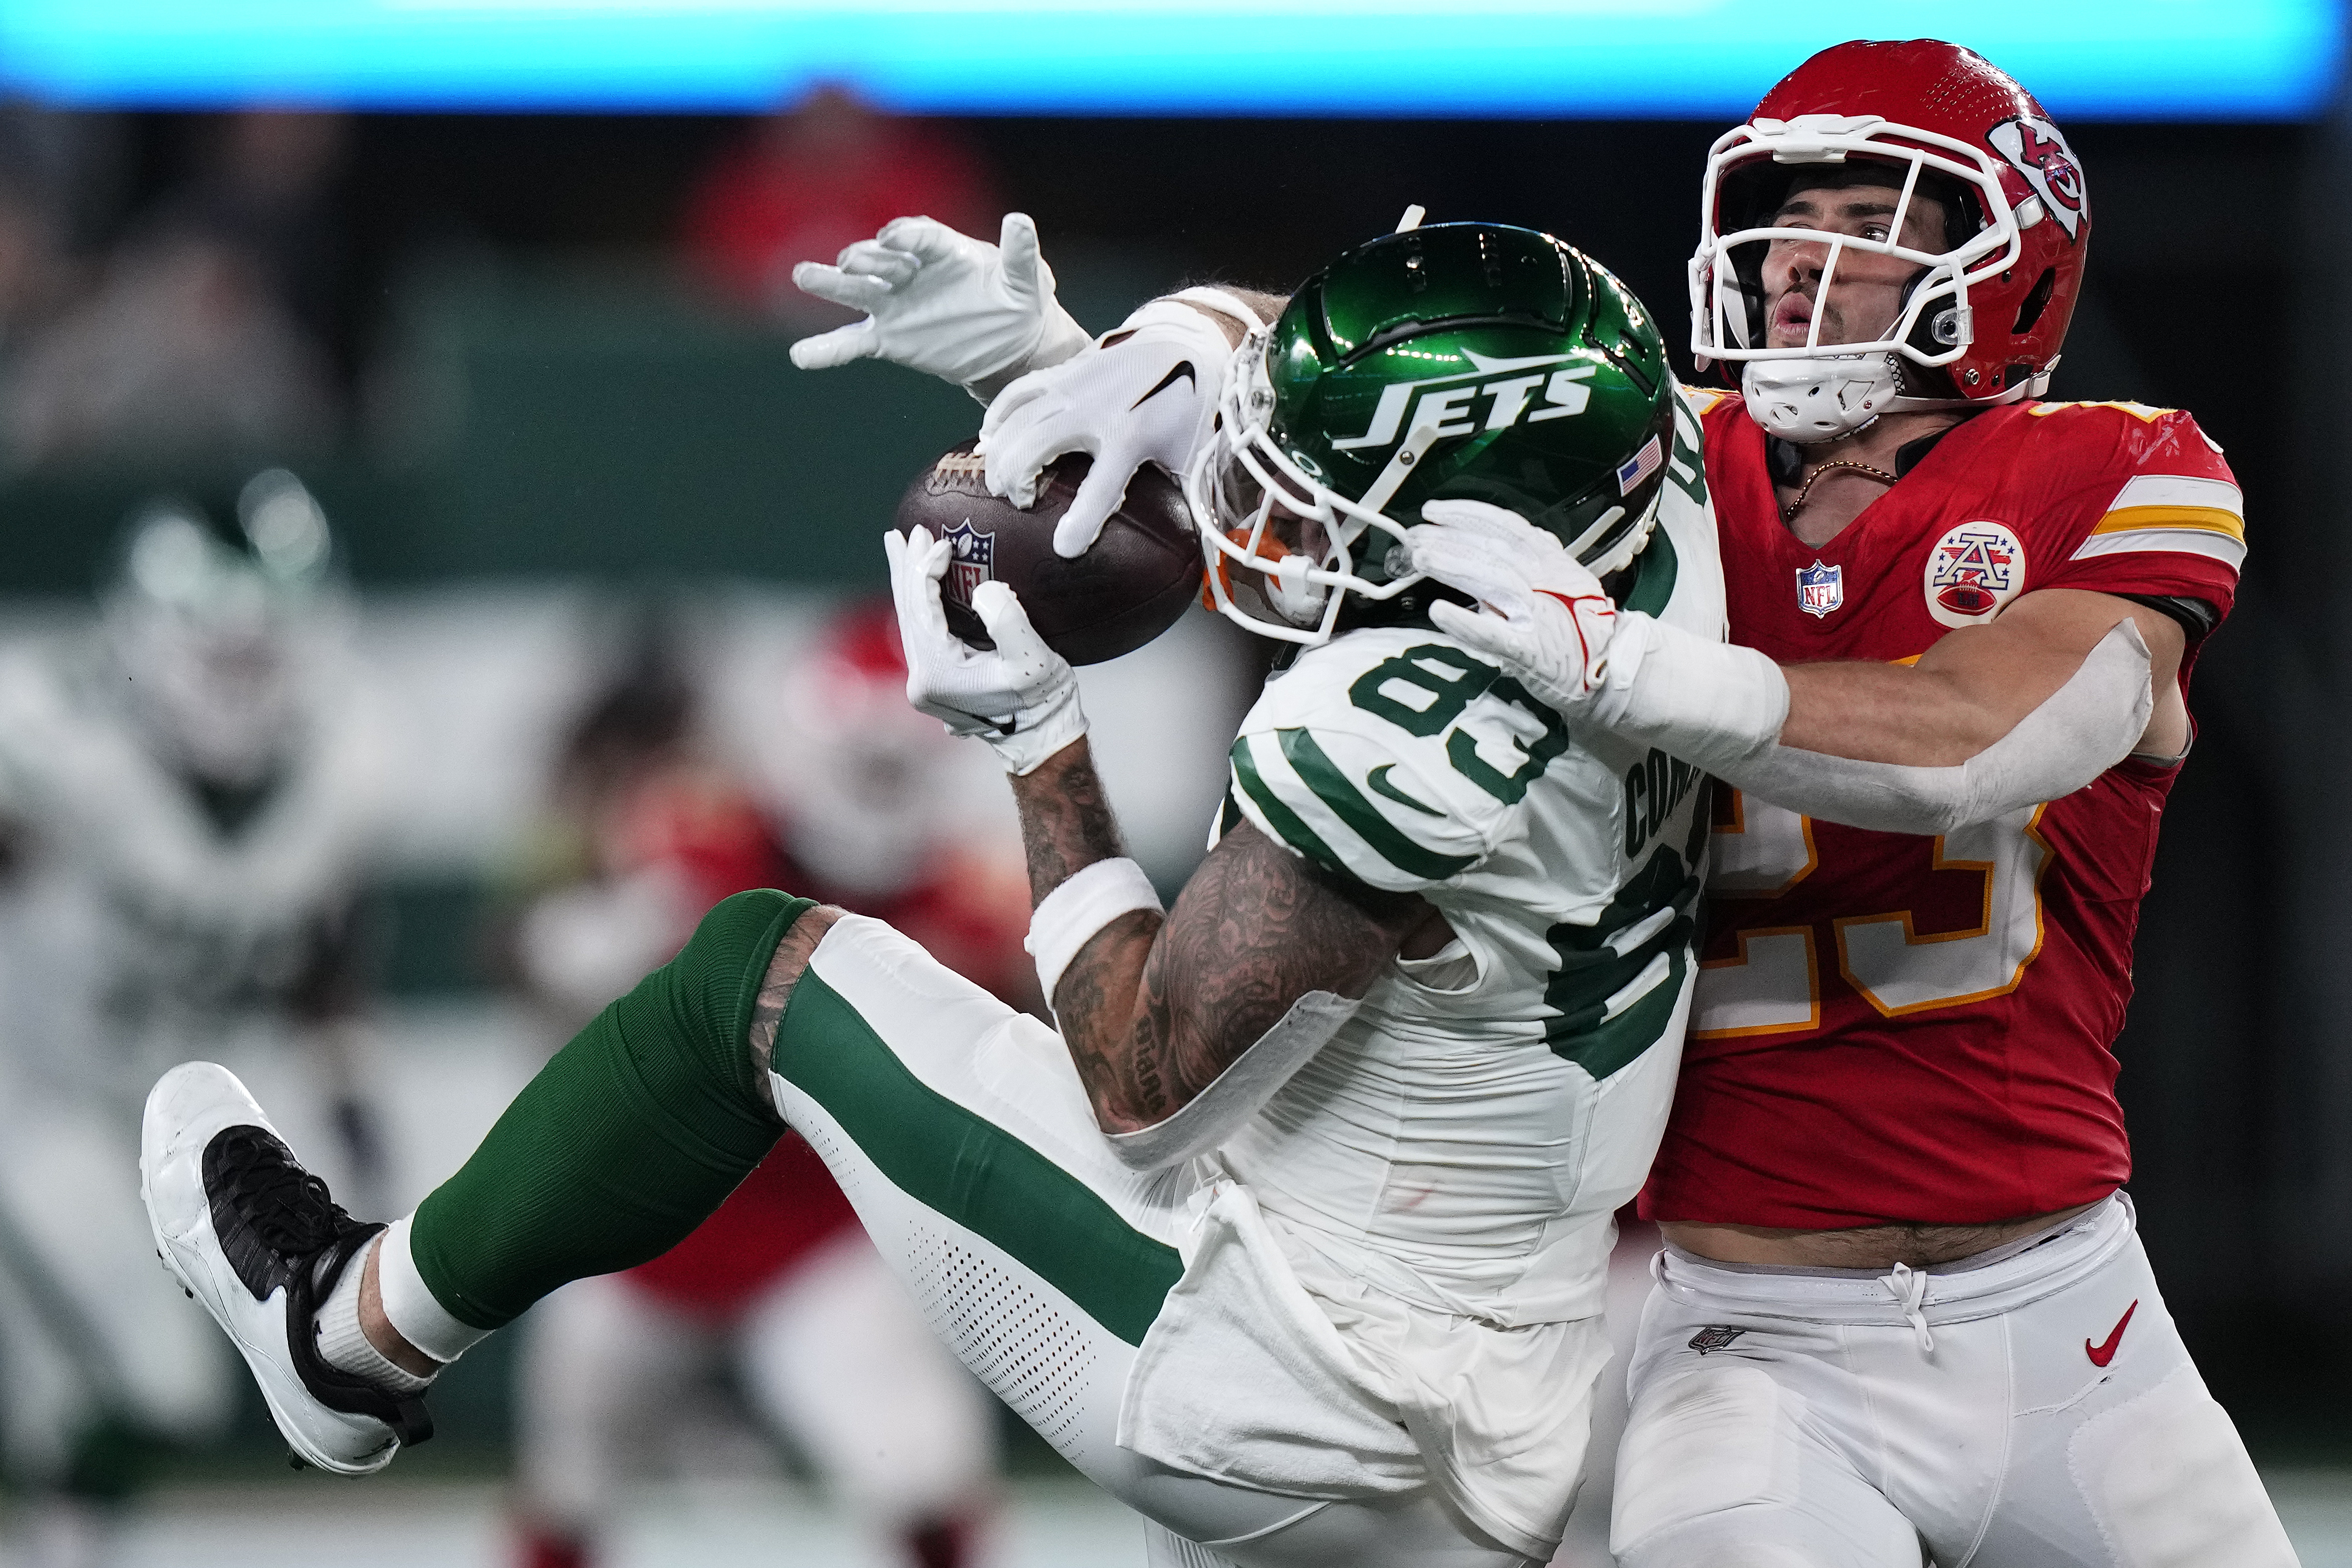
point(1540, 613)
point(1148, 397)
point(1020, 697)
point(977, 314)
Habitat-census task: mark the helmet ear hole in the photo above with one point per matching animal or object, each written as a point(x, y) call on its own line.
point(2028, 309)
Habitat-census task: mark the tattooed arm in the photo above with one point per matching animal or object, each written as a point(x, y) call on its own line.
point(1153, 1009)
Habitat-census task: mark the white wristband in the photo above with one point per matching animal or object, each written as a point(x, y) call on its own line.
point(1229, 306)
point(1071, 915)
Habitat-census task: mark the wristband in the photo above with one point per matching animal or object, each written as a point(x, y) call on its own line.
point(1072, 914)
point(1229, 306)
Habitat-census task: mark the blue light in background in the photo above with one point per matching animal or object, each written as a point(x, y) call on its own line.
point(2213, 60)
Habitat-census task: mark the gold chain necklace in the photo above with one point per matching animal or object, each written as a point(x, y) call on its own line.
point(1789, 513)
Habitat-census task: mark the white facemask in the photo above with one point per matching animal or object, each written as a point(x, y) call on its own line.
point(1820, 397)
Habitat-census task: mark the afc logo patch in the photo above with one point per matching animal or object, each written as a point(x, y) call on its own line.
point(1972, 572)
point(1820, 588)
point(973, 563)
point(2036, 150)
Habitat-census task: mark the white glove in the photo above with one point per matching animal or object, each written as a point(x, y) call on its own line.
point(1540, 613)
point(1022, 698)
point(973, 313)
point(1146, 398)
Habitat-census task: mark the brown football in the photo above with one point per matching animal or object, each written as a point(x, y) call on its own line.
point(1125, 591)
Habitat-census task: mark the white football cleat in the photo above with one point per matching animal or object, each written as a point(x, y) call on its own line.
point(255, 1238)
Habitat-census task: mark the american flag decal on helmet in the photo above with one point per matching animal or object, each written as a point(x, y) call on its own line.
point(1640, 467)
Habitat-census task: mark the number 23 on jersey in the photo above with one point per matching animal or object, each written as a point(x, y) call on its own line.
point(1771, 983)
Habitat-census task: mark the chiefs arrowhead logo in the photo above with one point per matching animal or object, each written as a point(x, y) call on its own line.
point(2035, 148)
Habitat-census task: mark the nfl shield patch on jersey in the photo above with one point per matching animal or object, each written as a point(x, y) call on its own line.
point(1819, 589)
point(1715, 1337)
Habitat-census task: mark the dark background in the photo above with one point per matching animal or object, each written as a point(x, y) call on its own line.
point(537, 399)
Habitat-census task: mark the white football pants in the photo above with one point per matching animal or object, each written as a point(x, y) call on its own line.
point(2037, 1411)
point(832, 1354)
point(964, 1138)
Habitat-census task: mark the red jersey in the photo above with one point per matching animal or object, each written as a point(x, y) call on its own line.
point(1891, 1027)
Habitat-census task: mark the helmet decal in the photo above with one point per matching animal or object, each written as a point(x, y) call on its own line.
point(2036, 150)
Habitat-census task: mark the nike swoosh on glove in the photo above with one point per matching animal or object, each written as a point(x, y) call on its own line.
point(1020, 697)
point(1146, 398)
point(976, 314)
point(1540, 613)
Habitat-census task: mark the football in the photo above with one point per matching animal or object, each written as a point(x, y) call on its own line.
point(1125, 591)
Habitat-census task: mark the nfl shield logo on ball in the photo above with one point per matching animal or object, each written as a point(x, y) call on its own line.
point(972, 564)
point(1972, 572)
point(1819, 589)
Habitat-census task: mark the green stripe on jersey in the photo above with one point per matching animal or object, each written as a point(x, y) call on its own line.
point(1284, 821)
point(1332, 787)
point(966, 1167)
point(1656, 570)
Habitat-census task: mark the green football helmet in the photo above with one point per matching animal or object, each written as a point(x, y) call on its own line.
point(1469, 360)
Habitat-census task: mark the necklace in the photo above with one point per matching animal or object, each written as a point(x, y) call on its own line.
point(1798, 505)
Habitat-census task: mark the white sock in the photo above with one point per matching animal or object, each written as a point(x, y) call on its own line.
point(410, 1306)
point(343, 1346)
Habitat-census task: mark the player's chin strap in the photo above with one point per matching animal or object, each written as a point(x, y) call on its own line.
point(1074, 914)
point(1211, 1117)
point(1722, 707)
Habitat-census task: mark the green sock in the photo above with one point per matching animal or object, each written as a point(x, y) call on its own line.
point(625, 1142)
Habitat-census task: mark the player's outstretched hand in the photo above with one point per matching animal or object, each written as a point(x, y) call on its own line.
point(977, 314)
point(1020, 697)
point(1147, 397)
point(1540, 613)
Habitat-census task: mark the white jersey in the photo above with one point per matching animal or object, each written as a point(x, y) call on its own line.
point(1466, 1138)
point(140, 924)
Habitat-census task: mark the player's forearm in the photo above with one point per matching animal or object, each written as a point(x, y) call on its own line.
point(1902, 714)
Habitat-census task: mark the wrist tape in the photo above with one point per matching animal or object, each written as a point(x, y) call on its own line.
point(1068, 918)
point(1213, 1116)
point(1712, 703)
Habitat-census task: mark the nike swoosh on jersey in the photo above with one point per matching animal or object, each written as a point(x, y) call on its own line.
point(2101, 1354)
point(1184, 368)
point(1379, 779)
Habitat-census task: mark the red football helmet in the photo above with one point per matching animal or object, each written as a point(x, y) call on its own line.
point(1983, 318)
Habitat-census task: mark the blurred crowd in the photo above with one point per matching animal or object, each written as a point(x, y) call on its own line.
point(208, 308)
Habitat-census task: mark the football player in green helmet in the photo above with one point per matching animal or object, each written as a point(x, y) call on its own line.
point(1293, 1231)
point(1469, 361)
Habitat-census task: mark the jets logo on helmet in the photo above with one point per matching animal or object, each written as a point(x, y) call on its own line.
point(1471, 360)
point(1450, 412)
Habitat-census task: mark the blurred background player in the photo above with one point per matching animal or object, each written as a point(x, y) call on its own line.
point(645, 832)
point(187, 797)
